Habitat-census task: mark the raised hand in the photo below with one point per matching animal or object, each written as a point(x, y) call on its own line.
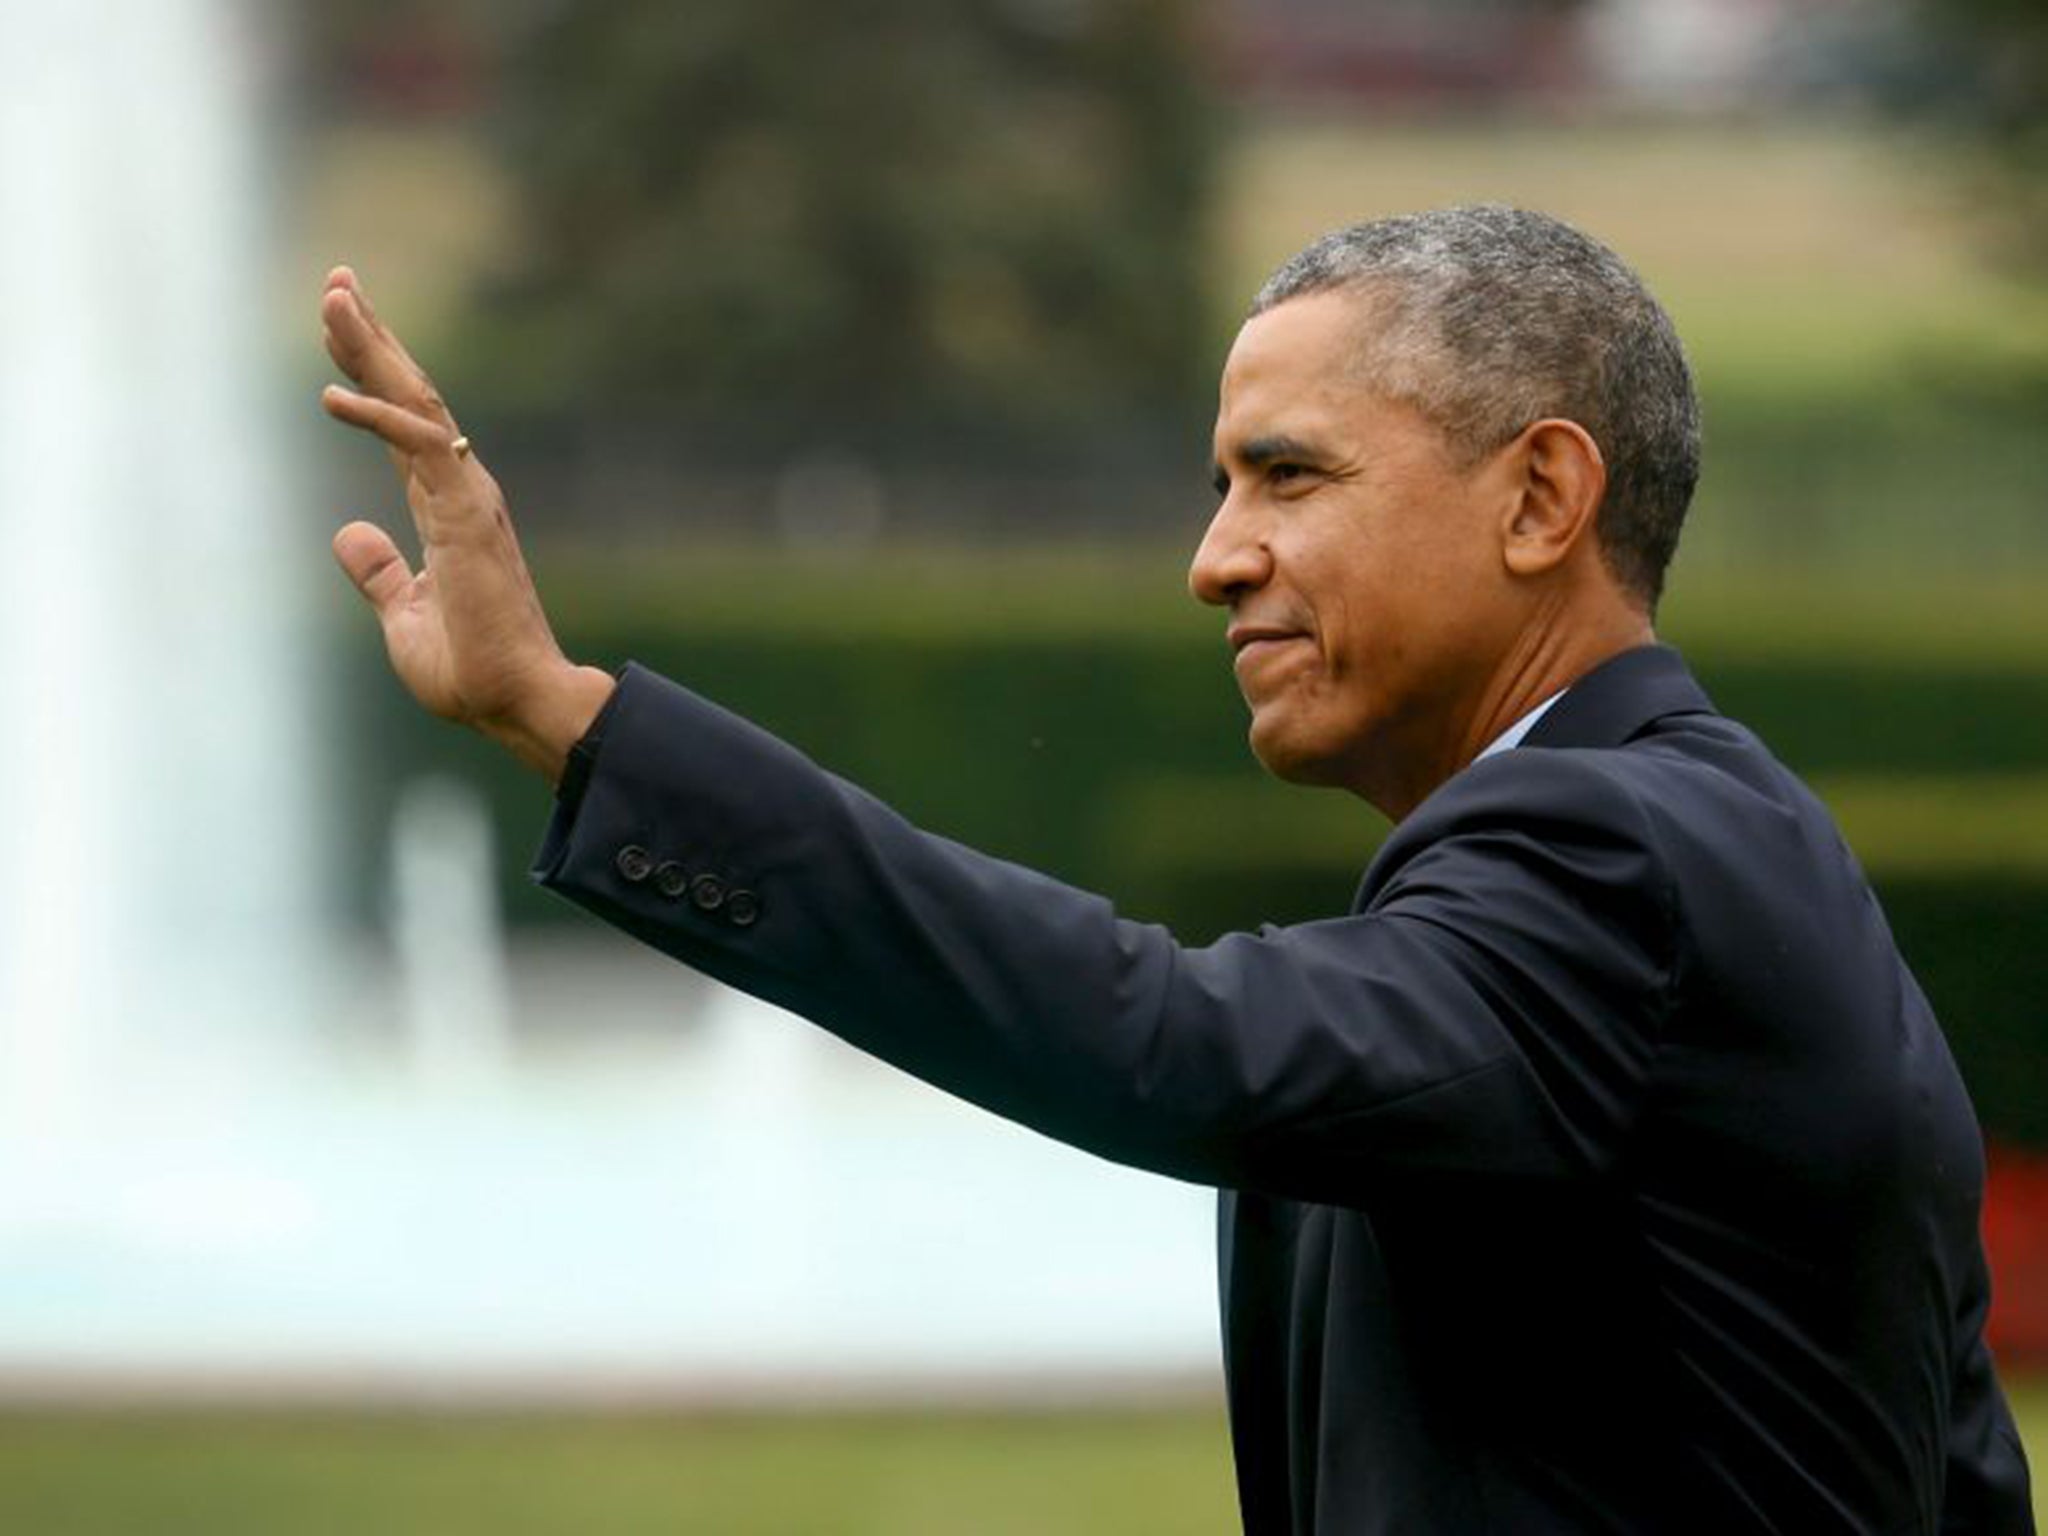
point(466, 634)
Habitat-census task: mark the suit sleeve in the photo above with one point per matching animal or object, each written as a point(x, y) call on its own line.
point(1492, 1012)
point(1985, 1486)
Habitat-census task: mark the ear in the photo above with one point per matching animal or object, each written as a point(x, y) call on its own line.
point(1562, 481)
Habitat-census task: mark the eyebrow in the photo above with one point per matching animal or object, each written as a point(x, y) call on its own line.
point(1258, 452)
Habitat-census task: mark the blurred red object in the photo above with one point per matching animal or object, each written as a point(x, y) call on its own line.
point(2016, 1240)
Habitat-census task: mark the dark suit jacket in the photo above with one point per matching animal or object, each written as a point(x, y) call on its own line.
point(1603, 1170)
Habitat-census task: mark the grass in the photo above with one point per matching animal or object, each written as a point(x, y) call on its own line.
point(898, 1474)
point(2030, 1405)
point(1165, 1473)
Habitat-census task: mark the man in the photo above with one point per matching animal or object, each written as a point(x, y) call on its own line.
point(1603, 1169)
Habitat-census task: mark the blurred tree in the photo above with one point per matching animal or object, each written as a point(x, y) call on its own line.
point(1992, 73)
point(392, 59)
point(885, 216)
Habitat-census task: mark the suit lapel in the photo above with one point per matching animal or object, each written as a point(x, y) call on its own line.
point(1603, 708)
point(1618, 698)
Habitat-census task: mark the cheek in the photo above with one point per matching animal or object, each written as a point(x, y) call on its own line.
point(1380, 649)
point(1363, 625)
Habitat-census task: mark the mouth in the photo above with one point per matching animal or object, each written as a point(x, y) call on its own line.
point(1244, 638)
point(1255, 643)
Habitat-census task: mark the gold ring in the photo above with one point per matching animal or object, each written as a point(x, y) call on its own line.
point(460, 447)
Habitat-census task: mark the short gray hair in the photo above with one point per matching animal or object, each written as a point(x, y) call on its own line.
point(1488, 318)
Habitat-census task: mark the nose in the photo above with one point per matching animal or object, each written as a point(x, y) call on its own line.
point(1231, 560)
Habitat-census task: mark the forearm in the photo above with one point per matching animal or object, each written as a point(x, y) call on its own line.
point(727, 849)
point(1289, 1060)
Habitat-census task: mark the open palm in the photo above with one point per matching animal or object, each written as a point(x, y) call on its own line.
point(466, 634)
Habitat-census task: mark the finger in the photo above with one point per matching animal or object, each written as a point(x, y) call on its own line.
point(341, 358)
point(344, 281)
point(368, 352)
point(386, 335)
point(346, 330)
point(406, 431)
point(365, 351)
point(374, 564)
point(361, 348)
point(352, 364)
point(428, 455)
point(344, 277)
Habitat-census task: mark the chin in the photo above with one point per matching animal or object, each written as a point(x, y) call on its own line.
point(1295, 756)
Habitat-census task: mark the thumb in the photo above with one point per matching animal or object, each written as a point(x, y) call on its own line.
point(374, 564)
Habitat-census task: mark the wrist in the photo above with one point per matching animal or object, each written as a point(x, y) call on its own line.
point(555, 716)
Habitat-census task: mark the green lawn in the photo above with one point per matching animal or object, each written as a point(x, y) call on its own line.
point(907, 1474)
point(2030, 1402)
point(897, 1474)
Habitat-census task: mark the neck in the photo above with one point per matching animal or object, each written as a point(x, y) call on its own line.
point(1544, 658)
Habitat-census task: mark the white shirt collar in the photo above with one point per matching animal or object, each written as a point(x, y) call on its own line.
point(1512, 736)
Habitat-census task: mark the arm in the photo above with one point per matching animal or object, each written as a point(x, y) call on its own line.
point(1419, 1038)
point(1492, 1013)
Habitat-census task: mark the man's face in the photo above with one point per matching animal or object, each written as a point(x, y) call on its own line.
point(1361, 566)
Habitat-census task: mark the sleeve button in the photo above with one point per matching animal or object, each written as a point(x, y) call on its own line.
point(671, 879)
point(741, 908)
point(634, 863)
point(707, 893)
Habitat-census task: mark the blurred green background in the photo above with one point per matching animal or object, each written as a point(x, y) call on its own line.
point(1085, 1472)
point(853, 365)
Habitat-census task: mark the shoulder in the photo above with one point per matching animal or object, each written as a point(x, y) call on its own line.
point(1535, 841)
point(1541, 796)
point(1673, 775)
point(1613, 834)
point(1690, 817)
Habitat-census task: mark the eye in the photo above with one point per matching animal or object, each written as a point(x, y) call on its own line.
point(1284, 473)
